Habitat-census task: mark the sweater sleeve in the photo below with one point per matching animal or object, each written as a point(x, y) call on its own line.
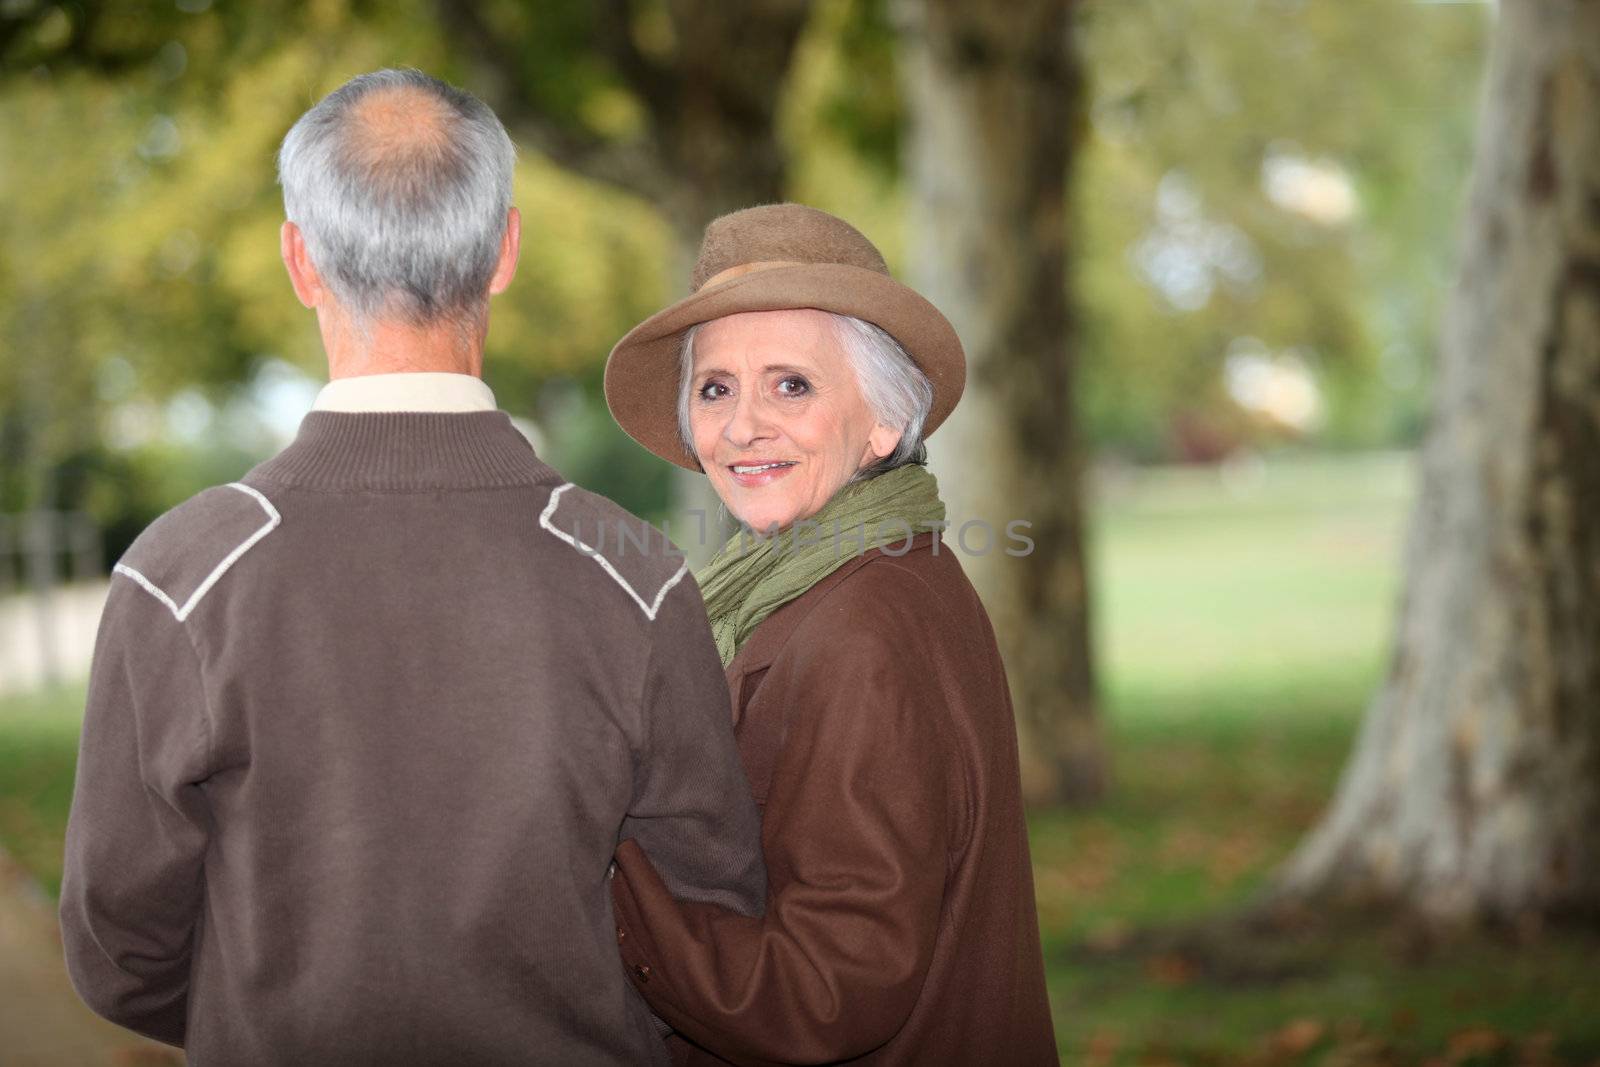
point(856, 841)
point(137, 833)
point(692, 807)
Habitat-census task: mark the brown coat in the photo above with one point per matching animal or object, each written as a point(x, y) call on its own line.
point(875, 726)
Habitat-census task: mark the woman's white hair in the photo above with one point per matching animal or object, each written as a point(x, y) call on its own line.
point(411, 232)
point(894, 387)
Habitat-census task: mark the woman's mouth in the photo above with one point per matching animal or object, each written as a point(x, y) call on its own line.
point(750, 475)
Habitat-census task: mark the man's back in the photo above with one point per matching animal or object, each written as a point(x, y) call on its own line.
point(366, 727)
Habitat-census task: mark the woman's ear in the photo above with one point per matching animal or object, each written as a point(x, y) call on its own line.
point(881, 441)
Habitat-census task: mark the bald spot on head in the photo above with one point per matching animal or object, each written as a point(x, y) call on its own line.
point(391, 126)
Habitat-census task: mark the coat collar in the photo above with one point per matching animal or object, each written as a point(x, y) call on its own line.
point(773, 632)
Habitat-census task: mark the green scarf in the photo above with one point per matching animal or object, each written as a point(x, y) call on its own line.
point(753, 576)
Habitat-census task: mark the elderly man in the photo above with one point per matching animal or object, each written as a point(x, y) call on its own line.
point(365, 727)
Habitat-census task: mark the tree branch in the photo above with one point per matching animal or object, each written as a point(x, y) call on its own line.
point(634, 166)
point(654, 83)
point(630, 166)
point(80, 50)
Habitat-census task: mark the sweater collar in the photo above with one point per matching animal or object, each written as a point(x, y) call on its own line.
point(410, 450)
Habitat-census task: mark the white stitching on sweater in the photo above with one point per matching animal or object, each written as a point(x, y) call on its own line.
point(648, 609)
point(273, 519)
point(149, 587)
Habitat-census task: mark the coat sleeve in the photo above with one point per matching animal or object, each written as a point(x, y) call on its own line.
point(137, 832)
point(856, 837)
point(692, 806)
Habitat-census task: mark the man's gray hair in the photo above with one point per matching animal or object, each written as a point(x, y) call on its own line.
point(892, 384)
point(409, 230)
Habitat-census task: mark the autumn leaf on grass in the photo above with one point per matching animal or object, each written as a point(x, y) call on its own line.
point(1171, 968)
point(1537, 1050)
point(1108, 936)
point(1101, 1049)
point(1469, 1044)
point(1349, 1030)
point(1296, 1038)
point(1403, 1020)
point(1234, 856)
point(1158, 1058)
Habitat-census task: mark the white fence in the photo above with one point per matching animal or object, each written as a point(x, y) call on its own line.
point(51, 591)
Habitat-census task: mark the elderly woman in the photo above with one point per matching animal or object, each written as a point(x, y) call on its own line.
point(869, 700)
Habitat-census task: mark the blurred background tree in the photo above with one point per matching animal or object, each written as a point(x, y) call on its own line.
point(1475, 787)
point(997, 114)
point(156, 353)
point(1252, 262)
point(675, 103)
point(1269, 175)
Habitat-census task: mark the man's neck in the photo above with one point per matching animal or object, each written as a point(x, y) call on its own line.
point(398, 348)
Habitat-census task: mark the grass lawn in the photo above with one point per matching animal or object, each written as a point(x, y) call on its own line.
point(1242, 624)
point(38, 749)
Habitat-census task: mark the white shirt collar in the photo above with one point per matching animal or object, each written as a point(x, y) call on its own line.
point(411, 391)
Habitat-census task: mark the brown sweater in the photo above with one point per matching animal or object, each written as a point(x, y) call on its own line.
point(363, 732)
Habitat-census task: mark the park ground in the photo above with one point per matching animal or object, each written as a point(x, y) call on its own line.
point(1243, 620)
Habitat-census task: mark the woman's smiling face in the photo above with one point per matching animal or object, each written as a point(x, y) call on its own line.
point(778, 418)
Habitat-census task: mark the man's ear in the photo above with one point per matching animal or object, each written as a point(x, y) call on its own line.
point(510, 249)
point(302, 274)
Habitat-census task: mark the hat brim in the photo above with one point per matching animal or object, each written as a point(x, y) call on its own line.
point(642, 372)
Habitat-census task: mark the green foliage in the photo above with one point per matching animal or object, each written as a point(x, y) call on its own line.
point(861, 103)
point(840, 122)
point(558, 57)
point(142, 233)
point(1193, 102)
point(146, 233)
point(142, 260)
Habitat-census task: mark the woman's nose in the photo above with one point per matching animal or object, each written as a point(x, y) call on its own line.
point(749, 423)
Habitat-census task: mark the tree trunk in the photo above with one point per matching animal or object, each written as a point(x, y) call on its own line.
point(710, 145)
point(996, 97)
point(1474, 788)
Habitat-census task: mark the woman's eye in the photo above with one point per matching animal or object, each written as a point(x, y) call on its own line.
point(794, 386)
point(713, 391)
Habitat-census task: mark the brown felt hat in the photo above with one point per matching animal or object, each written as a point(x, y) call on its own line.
point(775, 258)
